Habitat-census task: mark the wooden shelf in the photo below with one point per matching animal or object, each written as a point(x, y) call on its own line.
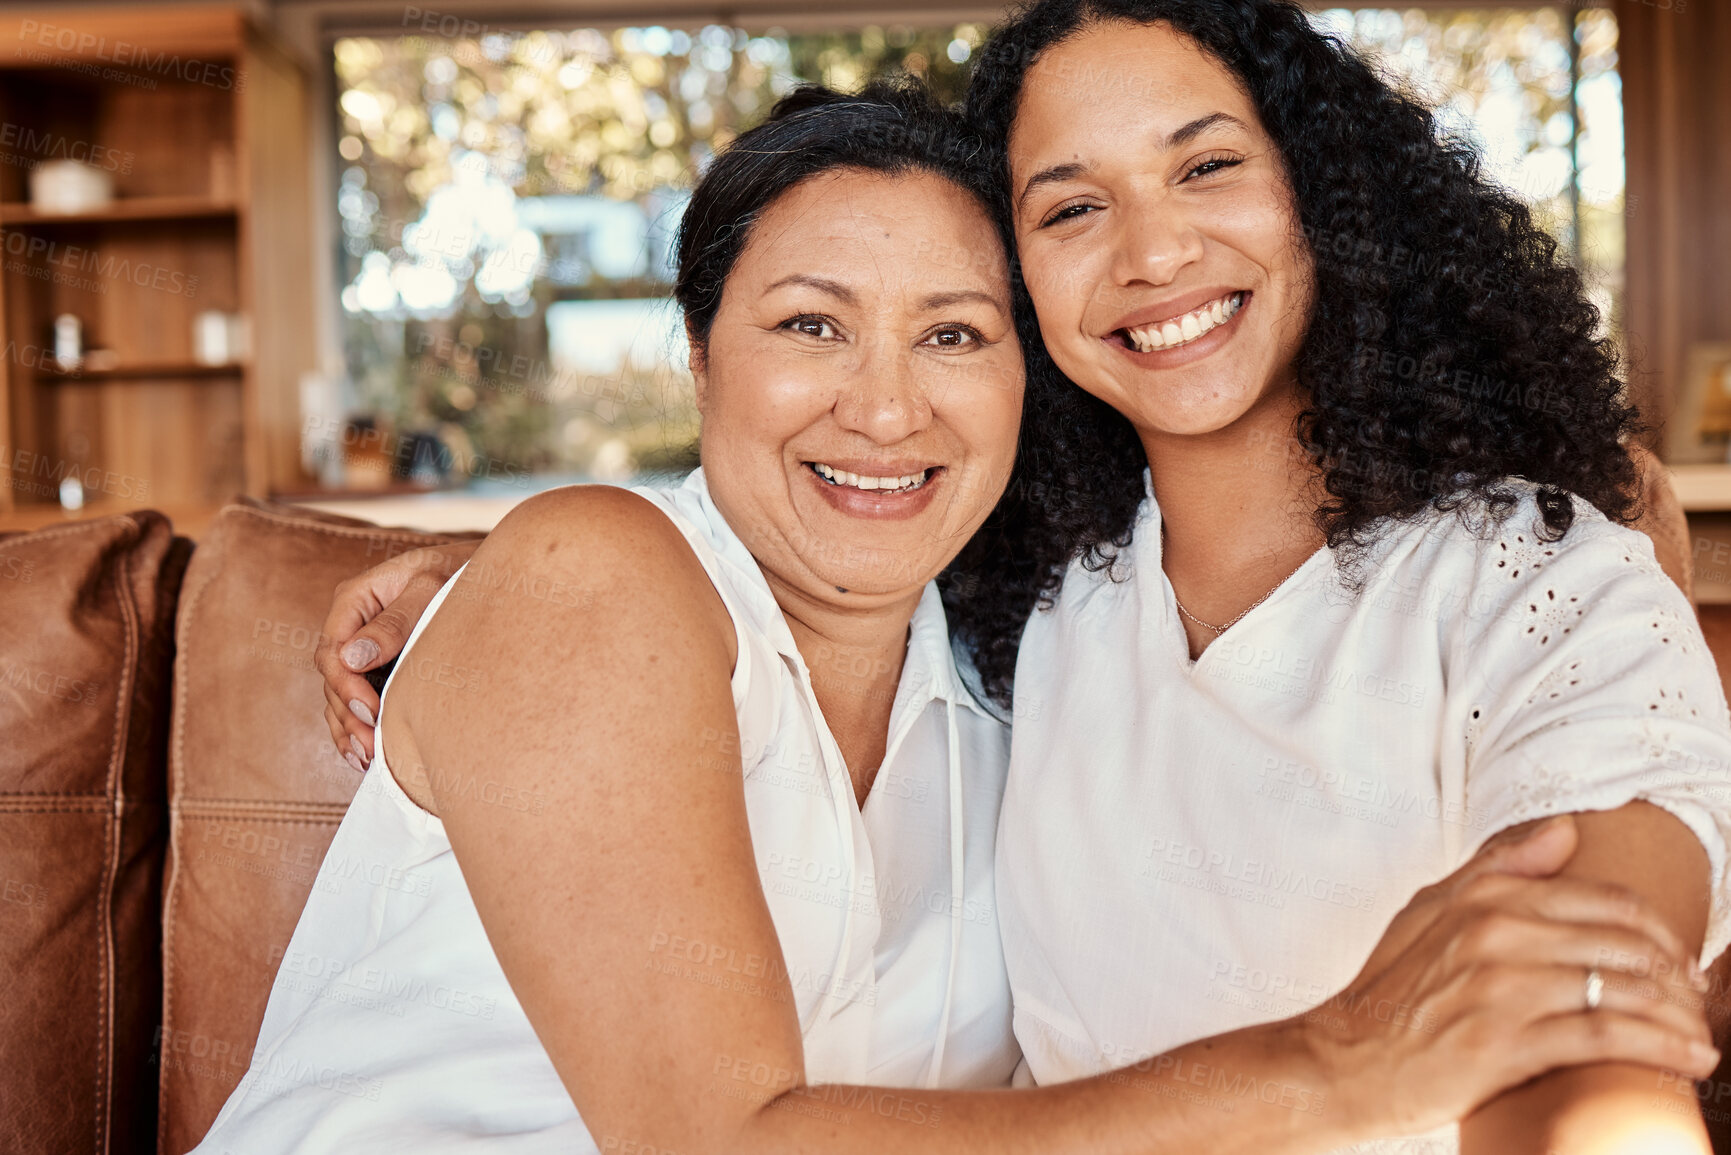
point(142, 369)
point(213, 211)
point(1703, 488)
point(122, 209)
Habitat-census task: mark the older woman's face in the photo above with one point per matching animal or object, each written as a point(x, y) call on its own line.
point(861, 388)
point(1158, 233)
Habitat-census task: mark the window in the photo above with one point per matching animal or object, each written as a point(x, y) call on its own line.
point(509, 205)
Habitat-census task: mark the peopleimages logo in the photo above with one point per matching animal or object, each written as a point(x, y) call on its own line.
point(24, 464)
point(36, 146)
point(62, 261)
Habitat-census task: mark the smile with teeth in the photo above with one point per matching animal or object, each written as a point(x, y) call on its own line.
point(904, 484)
point(1176, 331)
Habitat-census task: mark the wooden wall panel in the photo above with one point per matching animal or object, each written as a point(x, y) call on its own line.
point(159, 441)
point(197, 118)
point(277, 264)
point(1677, 133)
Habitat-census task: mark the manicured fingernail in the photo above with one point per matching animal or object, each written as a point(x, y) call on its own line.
point(1698, 979)
point(360, 653)
point(359, 709)
point(355, 762)
point(360, 750)
point(1703, 1053)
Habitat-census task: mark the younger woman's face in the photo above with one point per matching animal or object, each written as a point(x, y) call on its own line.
point(1158, 233)
point(861, 386)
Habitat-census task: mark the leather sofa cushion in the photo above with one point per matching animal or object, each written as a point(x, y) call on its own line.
point(86, 641)
point(256, 789)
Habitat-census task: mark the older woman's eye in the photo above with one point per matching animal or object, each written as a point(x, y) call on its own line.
point(811, 326)
point(952, 337)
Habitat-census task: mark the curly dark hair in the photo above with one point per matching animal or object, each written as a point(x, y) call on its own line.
point(1449, 347)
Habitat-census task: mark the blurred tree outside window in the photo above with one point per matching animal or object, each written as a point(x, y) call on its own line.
point(509, 205)
point(1536, 90)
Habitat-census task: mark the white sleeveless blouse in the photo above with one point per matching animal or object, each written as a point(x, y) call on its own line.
point(391, 1025)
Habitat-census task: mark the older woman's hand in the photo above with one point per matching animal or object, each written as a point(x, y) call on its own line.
point(371, 617)
point(1481, 983)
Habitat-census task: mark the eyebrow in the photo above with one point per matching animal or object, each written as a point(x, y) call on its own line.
point(1057, 174)
point(959, 296)
point(822, 284)
point(1189, 132)
point(847, 296)
point(1178, 137)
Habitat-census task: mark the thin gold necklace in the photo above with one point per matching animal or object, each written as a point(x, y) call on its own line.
point(1218, 630)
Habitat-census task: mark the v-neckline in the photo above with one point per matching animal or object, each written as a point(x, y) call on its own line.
point(1273, 595)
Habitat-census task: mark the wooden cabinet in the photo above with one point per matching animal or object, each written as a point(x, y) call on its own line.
point(200, 121)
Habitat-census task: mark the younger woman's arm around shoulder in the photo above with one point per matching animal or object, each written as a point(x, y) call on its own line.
point(612, 710)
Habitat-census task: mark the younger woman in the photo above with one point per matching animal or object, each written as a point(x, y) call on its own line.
point(1339, 583)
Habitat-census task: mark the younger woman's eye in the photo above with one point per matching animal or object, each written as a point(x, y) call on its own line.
point(811, 326)
point(1212, 165)
point(1067, 213)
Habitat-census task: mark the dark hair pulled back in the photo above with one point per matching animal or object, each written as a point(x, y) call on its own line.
point(890, 127)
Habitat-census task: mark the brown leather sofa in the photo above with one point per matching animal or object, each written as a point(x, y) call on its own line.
point(167, 792)
point(168, 789)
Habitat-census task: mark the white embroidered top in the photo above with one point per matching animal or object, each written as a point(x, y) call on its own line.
point(1188, 848)
point(391, 1026)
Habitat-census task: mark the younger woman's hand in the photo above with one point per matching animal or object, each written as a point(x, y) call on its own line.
point(1481, 984)
point(371, 617)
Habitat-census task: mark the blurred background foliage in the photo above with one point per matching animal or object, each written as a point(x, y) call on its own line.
point(1537, 92)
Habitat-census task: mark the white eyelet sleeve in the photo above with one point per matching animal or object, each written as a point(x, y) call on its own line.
point(1580, 681)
